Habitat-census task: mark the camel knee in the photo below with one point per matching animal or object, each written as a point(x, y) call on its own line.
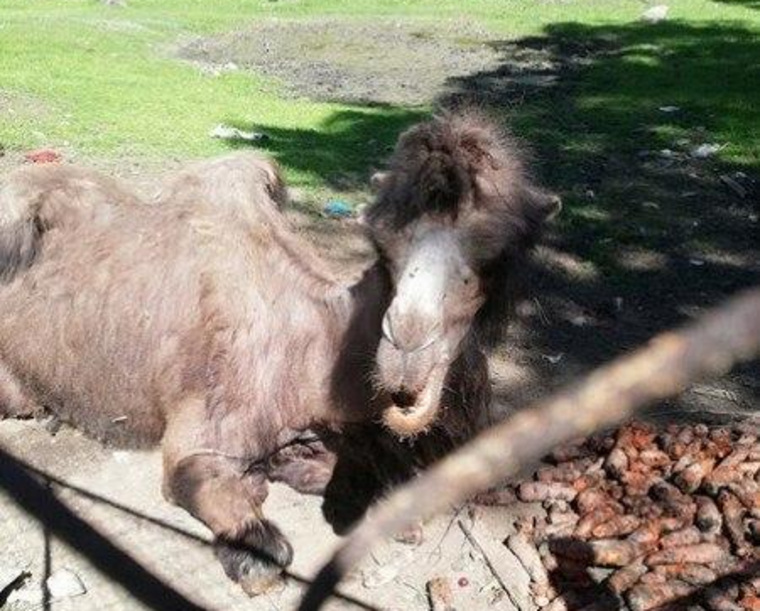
point(307, 468)
point(252, 550)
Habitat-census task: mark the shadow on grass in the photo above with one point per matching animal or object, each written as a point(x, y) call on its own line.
point(650, 233)
point(343, 150)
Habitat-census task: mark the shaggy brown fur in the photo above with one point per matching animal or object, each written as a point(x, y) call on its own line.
point(205, 322)
point(45, 198)
point(466, 167)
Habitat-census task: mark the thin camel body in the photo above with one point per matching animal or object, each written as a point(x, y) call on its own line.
point(202, 322)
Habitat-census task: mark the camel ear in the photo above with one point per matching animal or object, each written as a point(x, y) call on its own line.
point(549, 203)
point(377, 180)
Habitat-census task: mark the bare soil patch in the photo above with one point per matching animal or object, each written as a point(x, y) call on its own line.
point(386, 63)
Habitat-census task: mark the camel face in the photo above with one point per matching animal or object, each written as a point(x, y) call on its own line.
point(437, 294)
point(453, 216)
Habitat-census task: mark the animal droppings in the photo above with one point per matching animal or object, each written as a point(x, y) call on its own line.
point(649, 516)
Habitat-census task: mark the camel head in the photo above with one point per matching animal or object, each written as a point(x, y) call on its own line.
point(453, 218)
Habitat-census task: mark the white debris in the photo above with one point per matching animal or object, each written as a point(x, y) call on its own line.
point(553, 358)
point(655, 14)
point(226, 132)
point(121, 456)
point(578, 320)
point(697, 262)
point(388, 570)
point(217, 70)
point(65, 583)
point(703, 151)
point(669, 109)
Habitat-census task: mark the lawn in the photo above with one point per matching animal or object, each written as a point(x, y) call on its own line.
point(105, 82)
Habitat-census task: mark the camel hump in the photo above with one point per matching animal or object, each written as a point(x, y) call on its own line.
point(35, 200)
point(241, 183)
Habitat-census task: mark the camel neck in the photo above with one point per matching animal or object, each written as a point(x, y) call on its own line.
point(359, 318)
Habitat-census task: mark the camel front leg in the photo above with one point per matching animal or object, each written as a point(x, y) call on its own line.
point(228, 498)
point(305, 465)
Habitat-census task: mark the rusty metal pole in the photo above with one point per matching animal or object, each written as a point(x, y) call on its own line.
point(666, 366)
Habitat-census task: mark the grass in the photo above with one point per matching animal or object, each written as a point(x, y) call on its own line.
point(102, 81)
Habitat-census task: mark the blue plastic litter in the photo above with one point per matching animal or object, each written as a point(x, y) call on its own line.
point(337, 209)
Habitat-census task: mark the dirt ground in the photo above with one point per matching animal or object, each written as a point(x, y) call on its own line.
point(576, 319)
point(389, 62)
point(124, 501)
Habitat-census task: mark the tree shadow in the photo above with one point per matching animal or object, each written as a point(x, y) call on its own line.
point(342, 150)
point(651, 232)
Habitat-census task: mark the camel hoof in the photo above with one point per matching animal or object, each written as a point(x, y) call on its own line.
point(256, 560)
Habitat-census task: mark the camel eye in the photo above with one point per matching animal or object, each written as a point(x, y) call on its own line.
point(467, 276)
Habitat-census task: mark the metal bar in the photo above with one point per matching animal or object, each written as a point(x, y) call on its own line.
point(708, 347)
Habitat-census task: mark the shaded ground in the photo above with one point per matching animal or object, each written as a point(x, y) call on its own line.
point(651, 234)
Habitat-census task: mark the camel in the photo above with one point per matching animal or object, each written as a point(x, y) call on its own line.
point(204, 323)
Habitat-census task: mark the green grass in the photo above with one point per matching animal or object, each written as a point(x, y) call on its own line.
point(102, 82)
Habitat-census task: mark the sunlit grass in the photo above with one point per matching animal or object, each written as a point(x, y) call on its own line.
point(104, 82)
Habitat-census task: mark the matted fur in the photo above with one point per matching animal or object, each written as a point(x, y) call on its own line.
point(467, 167)
point(205, 322)
point(42, 198)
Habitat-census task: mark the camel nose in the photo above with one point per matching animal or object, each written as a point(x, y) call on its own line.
point(403, 398)
point(409, 334)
